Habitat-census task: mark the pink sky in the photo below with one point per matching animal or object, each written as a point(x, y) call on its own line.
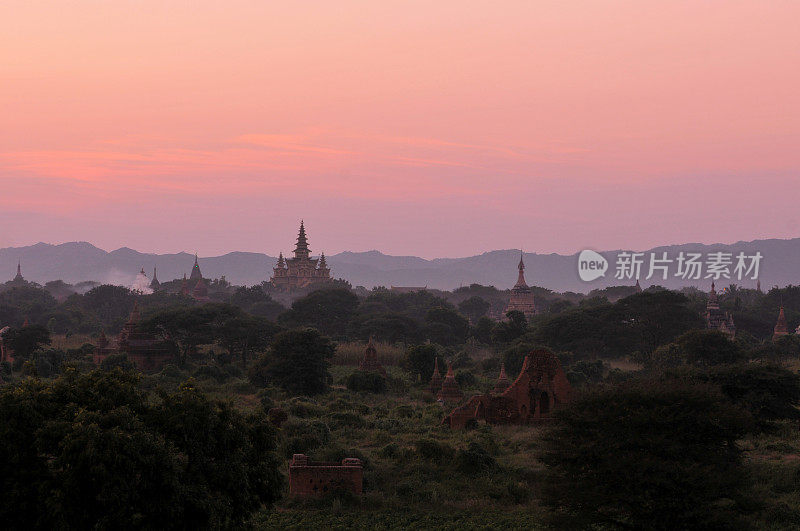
point(428, 128)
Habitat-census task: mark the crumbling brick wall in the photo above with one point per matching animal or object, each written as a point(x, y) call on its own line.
point(314, 478)
point(540, 388)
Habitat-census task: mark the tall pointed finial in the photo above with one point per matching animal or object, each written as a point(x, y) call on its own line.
point(521, 276)
point(196, 274)
point(19, 278)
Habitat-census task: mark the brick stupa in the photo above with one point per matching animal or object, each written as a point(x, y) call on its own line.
point(370, 362)
point(450, 391)
point(436, 378)
point(781, 329)
point(502, 381)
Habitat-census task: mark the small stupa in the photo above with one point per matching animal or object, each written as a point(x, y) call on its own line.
point(436, 378)
point(450, 391)
point(370, 361)
point(502, 381)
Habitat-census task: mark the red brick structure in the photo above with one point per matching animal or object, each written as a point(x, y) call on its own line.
point(716, 319)
point(502, 381)
point(146, 351)
point(450, 391)
point(521, 299)
point(315, 478)
point(302, 271)
point(540, 388)
point(781, 329)
point(185, 287)
point(436, 378)
point(370, 362)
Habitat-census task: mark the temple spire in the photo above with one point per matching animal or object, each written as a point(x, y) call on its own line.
point(780, 327)
point(450, 391)
point(154, 284)
point(521, 277)
point(502, 381)
point(19, 278)
point(302, 250)
point(436, 378)
point(196, 274)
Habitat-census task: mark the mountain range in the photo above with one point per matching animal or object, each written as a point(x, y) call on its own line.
point(81, 261)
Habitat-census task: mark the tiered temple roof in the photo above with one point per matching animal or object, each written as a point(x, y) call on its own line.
point(302, 270)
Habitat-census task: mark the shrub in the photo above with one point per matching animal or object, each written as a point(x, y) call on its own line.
point(434, 451)
point(297, 362)
point(114, 361)
point(466, 379)
point(474, 459)
point(366, 382)
point(647, 454)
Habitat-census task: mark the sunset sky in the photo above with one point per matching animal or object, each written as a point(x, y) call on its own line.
point(428, 128)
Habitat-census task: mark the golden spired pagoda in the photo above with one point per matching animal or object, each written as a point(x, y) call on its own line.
point(301, 271)
point(521, 299)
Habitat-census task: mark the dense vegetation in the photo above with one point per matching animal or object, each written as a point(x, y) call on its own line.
point(674, 426)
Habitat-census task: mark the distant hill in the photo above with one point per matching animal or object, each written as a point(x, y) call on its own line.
point(79, 261)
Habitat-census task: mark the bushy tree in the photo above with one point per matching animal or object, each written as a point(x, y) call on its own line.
point(297, 361)
point(93, 451)
point(25, 340)
point(768, 392)
point(646, 455)
point(112, 304)
point(474, 307)
point(369, 382)
point(699, 348)
point(419, 361)
point(445, 326)
point(512, 328)
point(327, 310)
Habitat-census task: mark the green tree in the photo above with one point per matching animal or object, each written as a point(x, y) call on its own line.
point(445, 326)
point(297, 361)
point(241, 334)
point(256, 301)
point(327, 310)
point(111, 304)
point(698, 348)
point(513, 328)
point(474, 307)
point(768, 392)
point(94, 451)
point(24, 341)
point(419, 361)
point(646, 455)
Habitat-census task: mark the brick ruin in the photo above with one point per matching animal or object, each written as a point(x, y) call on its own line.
point(316, 478)
point(370, 361)
point(450, 391)
point(146, 351)
point(540, 388)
